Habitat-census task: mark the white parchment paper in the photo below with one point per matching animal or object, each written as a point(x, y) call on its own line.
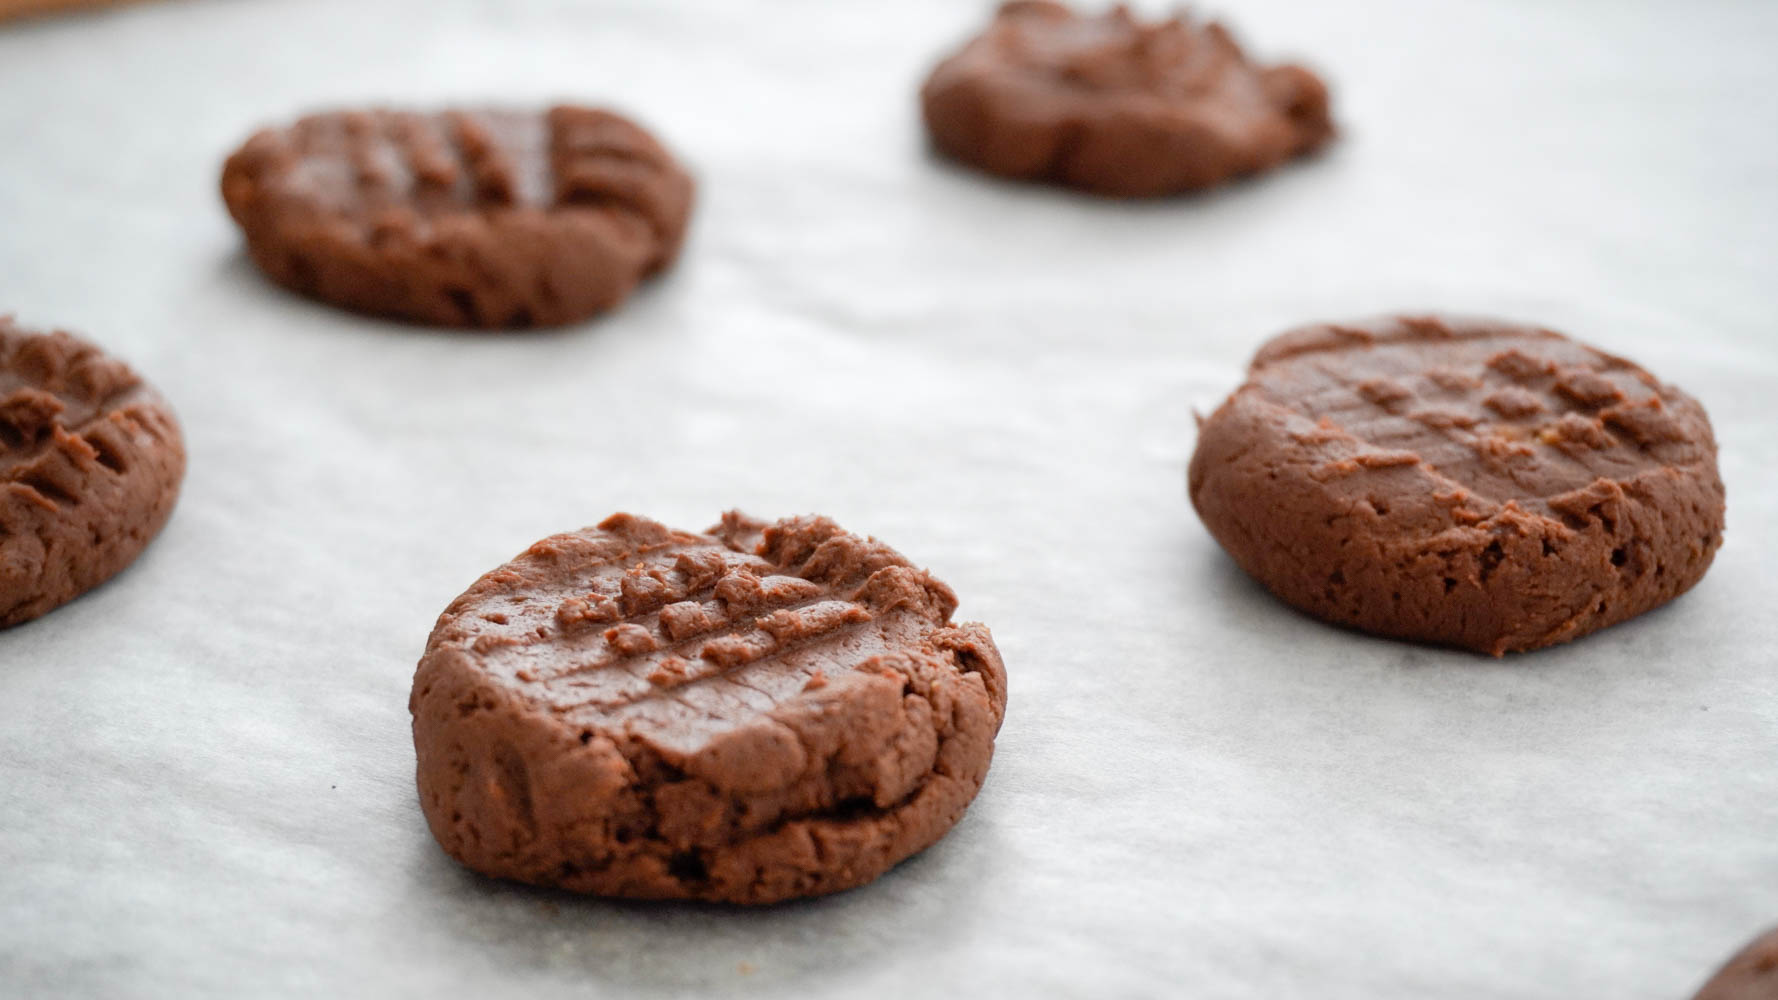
point(206, 776)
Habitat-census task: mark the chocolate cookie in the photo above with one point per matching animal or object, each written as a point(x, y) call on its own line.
point(1750, 975)
point(1466, 482)
point(1112, 105)
point(90, 462)
point(465, 218)
point(748, 715)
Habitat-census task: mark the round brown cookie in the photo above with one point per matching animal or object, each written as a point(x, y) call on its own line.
point(1466, 482)
point(1116, 106)
point(90, 464)
point(748, 715)
point(461, 218)
point(1750, 975)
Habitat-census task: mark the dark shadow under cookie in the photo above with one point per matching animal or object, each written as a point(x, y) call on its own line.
point(463, 218)
point(749, 715)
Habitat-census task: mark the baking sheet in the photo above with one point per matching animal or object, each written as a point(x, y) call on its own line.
point(206, 765)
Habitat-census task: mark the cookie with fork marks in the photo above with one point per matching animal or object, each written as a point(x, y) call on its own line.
point(493, 218)
point(752, 714)
point(1466, 482)
point(91, 459)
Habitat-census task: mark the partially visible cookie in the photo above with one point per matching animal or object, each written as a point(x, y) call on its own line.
point(492, 218)
point(90, 464)
point(1117, 106)
point(748, 715)
point(1750, 975)
point(30, 8)
point(1467, 482)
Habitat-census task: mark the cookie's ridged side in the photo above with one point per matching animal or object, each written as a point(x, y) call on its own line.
point(748, 716)
point(90, 465)
point(476, 219)
point(1522, 491)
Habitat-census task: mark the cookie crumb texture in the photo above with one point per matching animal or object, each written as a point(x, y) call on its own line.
point(1750, 975)
point(462, 218)
point(1116, 106)
point(90, 464)
point(750, 715)
point(1463, 482)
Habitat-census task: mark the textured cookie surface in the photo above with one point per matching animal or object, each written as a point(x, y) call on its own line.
point(1464, 482)
point(464, 218)
point(90, 464)
point(1750, 975)
point(1117, 106)
point(749, 715)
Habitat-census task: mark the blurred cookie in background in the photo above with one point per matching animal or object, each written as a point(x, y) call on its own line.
point(27, 8)
point(487, 218)
point(1119, 106)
